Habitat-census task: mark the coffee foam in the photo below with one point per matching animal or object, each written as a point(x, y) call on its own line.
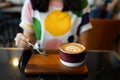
point(72, 48)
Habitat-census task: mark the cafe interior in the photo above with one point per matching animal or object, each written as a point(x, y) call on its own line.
point(102, 59)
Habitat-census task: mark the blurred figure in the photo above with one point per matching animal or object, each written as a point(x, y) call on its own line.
point(103, 8)
point(117, 11)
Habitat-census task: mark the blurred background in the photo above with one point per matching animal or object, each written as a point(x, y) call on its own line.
point(10, 12)
point(105, 9)
point(105, 35)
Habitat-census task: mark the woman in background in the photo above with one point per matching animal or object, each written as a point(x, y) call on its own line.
point(49, 23)
point(103, 9)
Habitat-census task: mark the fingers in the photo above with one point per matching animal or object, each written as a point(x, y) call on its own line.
point(21, 41)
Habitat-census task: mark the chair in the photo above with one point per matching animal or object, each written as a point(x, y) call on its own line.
point(2, 34)
point(9, 27)
point(12, 28)
point(103, 34)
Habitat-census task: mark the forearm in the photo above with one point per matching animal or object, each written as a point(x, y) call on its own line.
point(111, 6)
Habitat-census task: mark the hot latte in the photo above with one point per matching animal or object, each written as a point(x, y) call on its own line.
point(72, 54)
point(72, 48)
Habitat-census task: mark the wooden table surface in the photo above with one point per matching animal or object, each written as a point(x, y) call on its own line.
point(40, 64)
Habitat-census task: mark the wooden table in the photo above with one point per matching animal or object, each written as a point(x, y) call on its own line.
point(40, 64)
point(9, 70)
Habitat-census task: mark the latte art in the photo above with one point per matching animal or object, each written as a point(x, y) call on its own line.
point(72, 49)
point(72, 54)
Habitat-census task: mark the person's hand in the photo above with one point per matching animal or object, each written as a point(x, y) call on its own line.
point(21, 41)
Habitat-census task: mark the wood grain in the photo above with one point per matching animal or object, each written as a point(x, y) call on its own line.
point(40, 64)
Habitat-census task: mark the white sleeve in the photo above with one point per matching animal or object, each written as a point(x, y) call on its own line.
point(26, 17)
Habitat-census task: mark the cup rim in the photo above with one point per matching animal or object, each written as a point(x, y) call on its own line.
point(72, 43)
